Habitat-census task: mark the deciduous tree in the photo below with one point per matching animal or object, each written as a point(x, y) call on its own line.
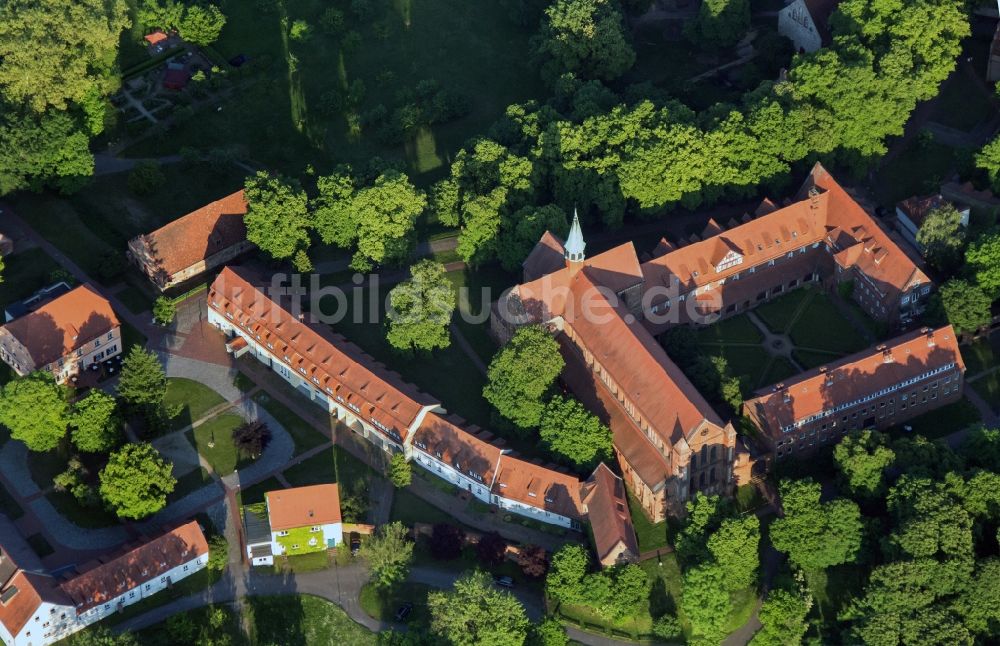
point(705, 602)
point(734, 548)
point(720, 23)
point(783, 619)
point(477, 613)
point(572, 432)
point(564, 582)
point(388, 554)
point(521, 374)
point(983, 260)
point(44, 149)
point(586, 38)
point(35, 410)
point(521, 230)
point(400, 471)
point(863, 457)
point(277, 216)
point(251, 438)
point(136, 481)
point(816, 535)
point(202, 24)
point(942, 236)
point(421, 309)
point(97, 427)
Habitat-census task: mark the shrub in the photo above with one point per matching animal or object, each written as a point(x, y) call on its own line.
point(110, 266)
point(164, 310)
point(218, 553)
point(332, 21)
point(300, 30)
point(145, 178)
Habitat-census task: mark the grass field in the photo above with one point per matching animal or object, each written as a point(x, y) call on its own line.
point(255, 493)
point(24, 273)
point(981, 355)
point(281, 114)
point(8, 505)
point(477, 290)
point(334, 465)
point(746, 362)
point(820, 326)
point(39, 545)
point(988, 387)
point(408, 509)
point(214, 441)
point(303, 434)
point(384, 604)
point(962, 105)
point(304, 620)
point(191, 481)
point(779, 314)
point(194, 399)
point(651, 535)
point(810, 359)
point(738, 329)
point(779, 369)
point(942, 421)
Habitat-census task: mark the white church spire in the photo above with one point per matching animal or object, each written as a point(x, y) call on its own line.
point(573, 249)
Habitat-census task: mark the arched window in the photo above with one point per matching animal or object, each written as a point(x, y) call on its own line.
point(704, 455)
point(712, 478)
point(694, 461)
point(713, 453)
point(701, 480)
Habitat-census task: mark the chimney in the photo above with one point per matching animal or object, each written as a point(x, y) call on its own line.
point(887, 356)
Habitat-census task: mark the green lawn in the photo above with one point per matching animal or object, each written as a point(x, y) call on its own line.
point(255, 493)
point(131, 337)
point(747, 362)
point(24, 273)
point(335, 465)
point(304, 620)
point(779, 313)
point(962, 105)
point(158, 635)
point(58, 222)
point(214, 441)
point(86, 517)
point(477, 290)
point(193, 398)
point(820, 326)
point(39, 545)
point(304, 434)
point(651, 535)
point(988, 388)
point(135, 299)
point(981, 355)
point(384, 604)
point(282, 112)
point(738, 329)
point(942, 421)
point(409, 509)
point(779, 369)
point(301, 563)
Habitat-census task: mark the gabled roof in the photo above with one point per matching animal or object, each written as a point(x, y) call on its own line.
point(23, 594)
point(64, 324)
point(197, 235)
point(917, 208)
point(855, 376)
point(334, 366)
point(110, 580)
point(303, 507)
point(607, 510)
point(538, 486)
point(546, 257)
point(455, 446)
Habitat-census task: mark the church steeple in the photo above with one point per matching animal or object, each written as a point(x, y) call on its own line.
point(573, 249)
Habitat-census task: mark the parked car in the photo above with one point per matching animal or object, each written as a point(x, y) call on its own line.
point(355, 539)
point(404, 611)
point(504, 581)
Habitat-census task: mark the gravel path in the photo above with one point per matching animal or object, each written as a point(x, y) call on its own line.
point(14, 462)
point(73, 536)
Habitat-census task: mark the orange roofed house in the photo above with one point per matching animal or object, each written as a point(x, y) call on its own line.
point(876, 388)
point(378, 405)
point(63, 336)
point(605, 310)
point(607, 508)
point(193, 244)
point(37, 609)
point(294, 521)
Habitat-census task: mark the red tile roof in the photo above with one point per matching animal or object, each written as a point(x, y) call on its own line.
point(853, 377)
point(455, 446)
point(303, 507)
point(197, 235)
point(917, 208)
point(110, 580)
point(340, 369)
point(31, 591)
point(155, 37)
point(607, 510)
point(538, 486)
point(546, 257)
point(64, 324)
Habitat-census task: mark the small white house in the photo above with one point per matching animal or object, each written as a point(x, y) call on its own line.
point(804, 22)
point(913, 211)
point(293, 522)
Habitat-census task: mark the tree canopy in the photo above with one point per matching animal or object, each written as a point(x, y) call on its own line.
point(97, 427)
point(815, 534)
point(575, 434)
point(420, 309)
point(277, 217)
point(388, 554)
point(142, 383)
point(136, 481)
point(586, 38)
point(965, 304)
point(720, 23)
point(862, 458)
point(942, 237)
point(783, 618)
point(35, 410)
point(475, 612)
point(982, 258)
point(521, 374)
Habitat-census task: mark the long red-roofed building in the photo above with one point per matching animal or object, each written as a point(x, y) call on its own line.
point(605, 310)
point(37, 609)
point(876, 388)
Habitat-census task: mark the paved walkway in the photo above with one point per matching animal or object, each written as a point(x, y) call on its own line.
point(105, 164)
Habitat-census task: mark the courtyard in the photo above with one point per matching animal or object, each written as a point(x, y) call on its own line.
point(800, 330)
